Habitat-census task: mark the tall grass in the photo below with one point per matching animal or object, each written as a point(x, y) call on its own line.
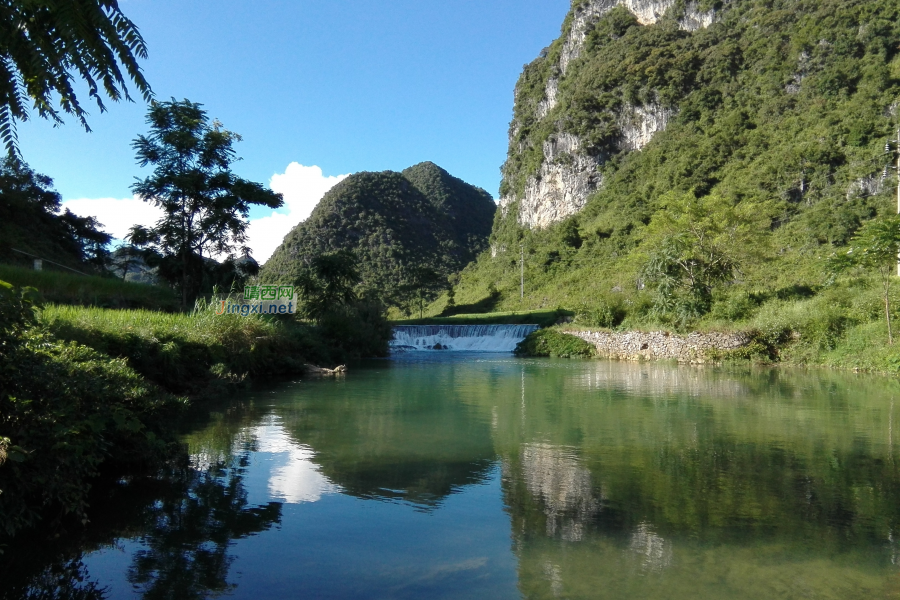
point(90, 290)
point(186, 352)
point(201, 326)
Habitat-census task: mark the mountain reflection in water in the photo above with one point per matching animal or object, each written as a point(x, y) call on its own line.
point(494, 477)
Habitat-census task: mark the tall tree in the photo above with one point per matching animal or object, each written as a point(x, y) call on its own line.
point(31, 220)
point(205, 205)
point(46, 45)
point(327, 283)
point(875, 247)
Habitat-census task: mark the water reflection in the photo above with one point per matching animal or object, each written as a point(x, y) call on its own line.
point(184, 548)
point(554, 477)
point(674, 483)
point(529, 478)
point(179, 526)
point(385, 435)
point(296, 478)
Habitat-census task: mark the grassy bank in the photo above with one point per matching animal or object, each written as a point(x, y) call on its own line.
point(187, 353)
point(89, 290)
point(544, 318)
point(191, 353)
point(840, 325)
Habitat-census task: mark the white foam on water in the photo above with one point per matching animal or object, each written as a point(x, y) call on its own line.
point(462, 338)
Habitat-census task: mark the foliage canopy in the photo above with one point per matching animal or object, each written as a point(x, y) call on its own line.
point(31, 220)
point(46, 46)
point(205, 205)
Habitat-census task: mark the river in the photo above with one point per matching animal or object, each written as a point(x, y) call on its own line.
point(479, 475)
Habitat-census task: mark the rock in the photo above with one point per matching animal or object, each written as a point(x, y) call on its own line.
point(314, 370)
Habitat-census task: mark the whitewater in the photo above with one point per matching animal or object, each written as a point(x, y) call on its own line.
point(468, 338)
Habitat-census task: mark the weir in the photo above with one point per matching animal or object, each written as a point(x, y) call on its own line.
point(468, 338)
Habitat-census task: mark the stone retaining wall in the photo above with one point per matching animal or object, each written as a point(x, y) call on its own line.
point(637, 345)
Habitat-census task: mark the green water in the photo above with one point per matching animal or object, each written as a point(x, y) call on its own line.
point(439, 475)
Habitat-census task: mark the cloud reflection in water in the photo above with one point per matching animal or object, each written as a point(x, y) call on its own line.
point(297, 479)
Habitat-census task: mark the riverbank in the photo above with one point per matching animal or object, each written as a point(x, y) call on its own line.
point(861, 349)
point(85, 390)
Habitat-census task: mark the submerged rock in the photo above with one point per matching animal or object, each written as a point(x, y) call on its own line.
point(314, 370)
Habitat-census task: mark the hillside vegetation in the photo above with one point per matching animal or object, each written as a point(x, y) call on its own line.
point(408, 231)
point(90, 290)
point(770, 160)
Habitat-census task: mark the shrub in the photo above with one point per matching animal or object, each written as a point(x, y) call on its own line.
point(737, 305)
point(64, 410)
point(355, 331)
point(552, 342)
point(605, 313)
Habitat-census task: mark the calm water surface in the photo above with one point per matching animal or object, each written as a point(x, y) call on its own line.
point(436, 475)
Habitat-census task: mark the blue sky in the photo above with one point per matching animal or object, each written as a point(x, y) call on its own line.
point(337, 85)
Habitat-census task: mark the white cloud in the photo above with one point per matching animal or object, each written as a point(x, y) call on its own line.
point(116, 214)
point(302, 188)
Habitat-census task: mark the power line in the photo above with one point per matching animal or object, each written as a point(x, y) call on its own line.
point(48, 261)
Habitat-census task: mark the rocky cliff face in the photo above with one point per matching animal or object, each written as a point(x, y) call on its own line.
point(568, 173)
point(566, 177)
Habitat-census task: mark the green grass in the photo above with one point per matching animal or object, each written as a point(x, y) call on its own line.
point(89, 290)
point(544, 318)
point(189, 353)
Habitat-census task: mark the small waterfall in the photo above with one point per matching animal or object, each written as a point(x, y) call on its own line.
point(471, 338)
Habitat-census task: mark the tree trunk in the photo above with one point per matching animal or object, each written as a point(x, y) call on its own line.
point(887, 308)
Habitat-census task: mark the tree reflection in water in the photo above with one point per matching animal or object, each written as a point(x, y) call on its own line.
point(66, 579)
point(184, 522)
point(185, 553)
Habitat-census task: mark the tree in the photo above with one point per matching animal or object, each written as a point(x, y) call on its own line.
point(694, 244)
point(327, 283)
point(46, 45)
point(422, 285)
point(205, 205)
point(30, 220)
point(875, 247)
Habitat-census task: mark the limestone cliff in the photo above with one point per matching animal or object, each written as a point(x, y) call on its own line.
point(560, 180)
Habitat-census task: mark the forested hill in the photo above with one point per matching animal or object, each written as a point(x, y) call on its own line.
point(757, 125)
point(398, 225)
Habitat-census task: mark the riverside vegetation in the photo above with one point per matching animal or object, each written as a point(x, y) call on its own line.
point(763, 161)
point(96, 390)
point(103, 375)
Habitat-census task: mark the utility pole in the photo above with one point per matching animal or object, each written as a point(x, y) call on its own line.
point(887, 150)
point(522, 263)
